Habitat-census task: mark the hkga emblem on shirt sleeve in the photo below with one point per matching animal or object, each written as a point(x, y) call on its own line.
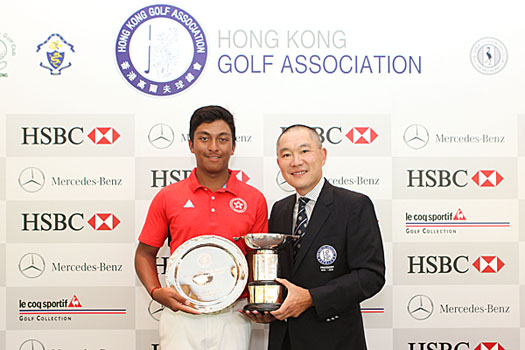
point(326, 255)
point(238, 205)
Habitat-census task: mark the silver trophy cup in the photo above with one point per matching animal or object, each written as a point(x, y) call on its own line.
point(265, 294)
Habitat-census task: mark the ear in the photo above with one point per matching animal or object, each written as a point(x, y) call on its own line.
point(233, 148)
point(324, 155)
point(190, 144)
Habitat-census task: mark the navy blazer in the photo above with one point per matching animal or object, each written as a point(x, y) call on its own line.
point(342, 222)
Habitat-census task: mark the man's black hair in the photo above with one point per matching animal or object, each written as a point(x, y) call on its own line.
point(313, 132)
point(209, 114)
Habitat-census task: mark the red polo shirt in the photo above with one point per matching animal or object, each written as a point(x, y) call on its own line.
point(187, 209)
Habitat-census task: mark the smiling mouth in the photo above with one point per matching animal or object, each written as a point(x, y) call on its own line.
point(299, 172)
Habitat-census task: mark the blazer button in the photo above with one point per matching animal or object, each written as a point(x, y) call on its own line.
point(328, 320)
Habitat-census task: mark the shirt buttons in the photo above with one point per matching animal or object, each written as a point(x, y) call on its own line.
point(213, 210)
point(212, 197)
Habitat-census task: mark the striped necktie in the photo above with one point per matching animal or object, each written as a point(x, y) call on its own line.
point(300, 224)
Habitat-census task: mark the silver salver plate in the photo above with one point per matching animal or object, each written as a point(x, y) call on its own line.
point(209, 271)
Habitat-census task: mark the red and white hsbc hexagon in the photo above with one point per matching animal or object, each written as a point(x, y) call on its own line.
point(488, 264)
point(104, 136)
point(71, 135)
point(489, 346)
point(104, 221)
point(487, 178)
point(362, 135)
point(342, 135)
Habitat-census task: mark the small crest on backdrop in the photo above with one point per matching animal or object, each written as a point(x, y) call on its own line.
point(55, 54)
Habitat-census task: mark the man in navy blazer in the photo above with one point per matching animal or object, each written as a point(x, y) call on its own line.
point(336, 264)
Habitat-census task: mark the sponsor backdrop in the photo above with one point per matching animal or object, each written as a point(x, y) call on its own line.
point(421, 108)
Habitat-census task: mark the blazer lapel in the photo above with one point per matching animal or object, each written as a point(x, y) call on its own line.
point(284, 224)
point(281, 222)
point(320, 214)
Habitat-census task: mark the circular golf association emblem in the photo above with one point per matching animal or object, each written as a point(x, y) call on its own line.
point(326, 255)
point(488, 56)
point(161, 50)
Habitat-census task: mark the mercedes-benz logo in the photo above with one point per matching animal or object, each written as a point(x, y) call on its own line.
point(155, 310)
point(31, 179)
point(31, 265)
point(420, 307)
point(161, 136)
point(32, 344)
point(416, 136)
point(283, 185)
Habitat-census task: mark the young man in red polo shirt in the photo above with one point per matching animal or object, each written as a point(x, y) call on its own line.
point(209, 202)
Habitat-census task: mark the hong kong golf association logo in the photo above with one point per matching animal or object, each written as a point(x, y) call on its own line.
point(161, 50)
point(488, 56)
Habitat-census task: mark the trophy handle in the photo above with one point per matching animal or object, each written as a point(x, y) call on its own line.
point(282, 234)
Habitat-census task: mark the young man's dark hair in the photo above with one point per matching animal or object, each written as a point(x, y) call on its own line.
point(209, 114)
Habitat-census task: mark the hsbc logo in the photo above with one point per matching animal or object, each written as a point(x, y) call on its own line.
point(240, 175)
point(488, 264)
point(362, 135)
point(454, 346)
point(445, 178)
point(162, 264)
point(439, 346)
point(487, 178)
point(334, 135)
point(104, 222)
point(37, 222)
point(489, 346)
point(443, 264)
point(57, 135)
point(165, 177)
point(103, 136)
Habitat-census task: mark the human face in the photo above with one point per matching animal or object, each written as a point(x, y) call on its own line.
point(300, 159)
point(213, 146)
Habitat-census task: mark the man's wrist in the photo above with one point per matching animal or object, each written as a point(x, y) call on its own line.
point(311, 301)
point(153, 290)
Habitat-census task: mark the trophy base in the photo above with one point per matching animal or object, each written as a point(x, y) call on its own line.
point(261, 307)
